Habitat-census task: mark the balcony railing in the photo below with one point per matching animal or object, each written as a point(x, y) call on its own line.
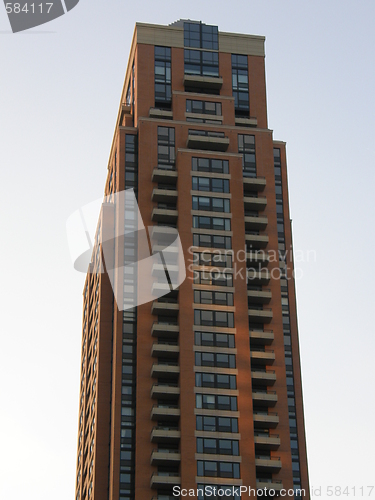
point(263, 356)
point(165, 370)
point(263, 377)
point(260, 315)
point(165, 435)
point(164, 195)
point(166, 392)
point(201, 81)
point(265, 420)
point(165, 174)
point(165, 412)
point(165, 457)
point(254, 183)
point(269, 442)
point(264, 337)
point(165, 480)
point(204, 139)
point(258, 222)
point(267, 464)
point(265, 398)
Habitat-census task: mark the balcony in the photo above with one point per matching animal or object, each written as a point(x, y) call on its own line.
point(165, 457)
point(257, 240)
point(255, 203)
point(165, 350)
point(164, 215)
point(254, 183)
point(165, 413)
point(125, 110)
point(256, 222)
point(165, 435)
point(163, 236)
point(165, 308)
point(211, 141)
point(158, 270)
point(260, 315)
point(265, 420)
point(164, 175)
point(207, 82)
point(164, 391)
point(258, 277)
point(171, 252)
point(160, 113)
point(262, 356)
point(265, 337)
point(264, 442)
point(159, 480)
point(265, 398)
point(259, 257)
point(263, 377)
point(271, 465)
point(277, 486)
point(259, 296)
point(160, 289)
point(246, 122)
point(167, 370)
point(165, 330)
point(164, 195)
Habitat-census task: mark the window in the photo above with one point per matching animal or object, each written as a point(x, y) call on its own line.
point(210, 184)
point(216, 424)
point(212, 259)
point(218, 469)
point(206, 133)
point(216, 402)
point(212, 241)
point(210, 165)
point(215, 223)
point(166, 147)
point(218, 446)
point(240, 84)
point(214, 339)
point(213, 318)
point(199, 35)
point(204, 203)
point(202, 63)
point(246, 146)
point(207, 297)
point(216, 380)
point(163, 78)
point(215, 359)
point(203, 107)
point(213, 278)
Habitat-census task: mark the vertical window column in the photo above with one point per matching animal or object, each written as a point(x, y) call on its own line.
point(129, 335)
point(286, 323)
point(163, 77)
point(240, 85)
point(246, 147)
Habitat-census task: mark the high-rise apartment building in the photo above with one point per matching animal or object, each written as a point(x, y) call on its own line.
point(201, 387)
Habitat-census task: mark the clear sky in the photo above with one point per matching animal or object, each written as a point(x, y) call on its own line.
point(59, 95)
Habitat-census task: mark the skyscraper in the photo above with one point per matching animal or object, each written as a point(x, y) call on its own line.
point(200, 388)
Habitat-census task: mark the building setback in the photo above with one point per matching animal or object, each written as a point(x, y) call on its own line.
point(201, 387)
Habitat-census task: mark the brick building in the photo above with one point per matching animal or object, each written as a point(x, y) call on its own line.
point(201, 387)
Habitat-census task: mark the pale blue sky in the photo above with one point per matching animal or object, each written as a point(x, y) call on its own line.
point(59, 95)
